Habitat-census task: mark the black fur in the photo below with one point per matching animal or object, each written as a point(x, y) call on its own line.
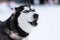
point(12, 25)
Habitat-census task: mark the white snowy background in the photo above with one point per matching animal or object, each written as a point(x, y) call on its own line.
point(48, 24)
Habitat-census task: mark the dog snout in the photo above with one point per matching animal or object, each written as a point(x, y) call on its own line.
point(35, 16)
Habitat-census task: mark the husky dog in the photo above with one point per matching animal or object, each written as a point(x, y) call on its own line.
point(19, 25)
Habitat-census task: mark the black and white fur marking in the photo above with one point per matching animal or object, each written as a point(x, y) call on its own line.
point(19, 25)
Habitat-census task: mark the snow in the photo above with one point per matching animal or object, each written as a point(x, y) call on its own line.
point(48, 24)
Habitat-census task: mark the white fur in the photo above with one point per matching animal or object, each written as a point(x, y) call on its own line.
point(15, 35)
point(23, 20)
point(25, 38)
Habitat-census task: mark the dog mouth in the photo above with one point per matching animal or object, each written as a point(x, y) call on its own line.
point(34, 23)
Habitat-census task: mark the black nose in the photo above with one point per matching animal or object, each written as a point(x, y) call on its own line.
point(35, 16)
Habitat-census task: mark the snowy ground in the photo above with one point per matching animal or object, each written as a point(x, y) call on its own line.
point(49, 22)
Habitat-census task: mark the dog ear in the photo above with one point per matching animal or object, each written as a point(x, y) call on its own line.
point(16, 8)
point(20, 8)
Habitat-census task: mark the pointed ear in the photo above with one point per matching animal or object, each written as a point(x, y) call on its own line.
point(16, 8)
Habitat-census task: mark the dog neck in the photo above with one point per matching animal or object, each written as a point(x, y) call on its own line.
point(13, 28)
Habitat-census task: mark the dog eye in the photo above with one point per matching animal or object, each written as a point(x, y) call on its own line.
point(26, 11)
point(33, 10)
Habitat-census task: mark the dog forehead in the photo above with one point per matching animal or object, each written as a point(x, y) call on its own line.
point(26, 8)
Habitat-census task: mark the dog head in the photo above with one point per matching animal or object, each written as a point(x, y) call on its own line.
point(27, 17)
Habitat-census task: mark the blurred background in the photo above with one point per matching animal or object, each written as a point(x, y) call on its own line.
point(49, 17)
point(41, 2)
